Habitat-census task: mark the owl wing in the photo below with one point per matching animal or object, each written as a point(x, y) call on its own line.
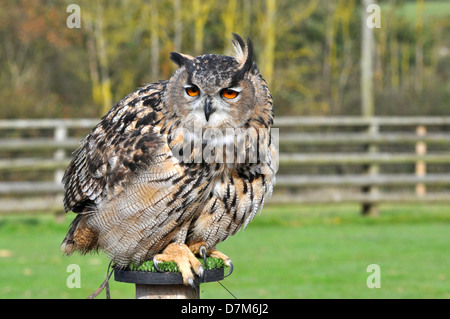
point(121, 144)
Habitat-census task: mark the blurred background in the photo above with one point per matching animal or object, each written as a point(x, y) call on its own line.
point(364, 135)
point(308, 51)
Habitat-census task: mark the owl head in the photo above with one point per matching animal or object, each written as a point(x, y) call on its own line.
point(217, 91)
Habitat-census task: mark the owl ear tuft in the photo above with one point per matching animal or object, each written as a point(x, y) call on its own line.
point(180, 59)
point(239, 48)
point(244, 53)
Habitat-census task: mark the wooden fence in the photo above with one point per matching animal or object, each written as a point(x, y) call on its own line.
point(322, 159)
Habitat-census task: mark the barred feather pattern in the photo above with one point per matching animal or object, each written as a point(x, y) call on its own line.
point(133, 197)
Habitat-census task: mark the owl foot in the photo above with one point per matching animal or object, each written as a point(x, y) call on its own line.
point(203, 252)
point(185, 260)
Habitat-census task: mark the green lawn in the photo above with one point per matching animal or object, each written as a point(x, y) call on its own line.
point(287, 252)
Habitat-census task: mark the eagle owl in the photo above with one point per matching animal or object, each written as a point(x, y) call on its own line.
point(140, 183)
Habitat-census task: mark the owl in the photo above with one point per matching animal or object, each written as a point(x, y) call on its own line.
point(175, 167)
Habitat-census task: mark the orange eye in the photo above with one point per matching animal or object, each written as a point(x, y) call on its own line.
point(229, 94)
point(192, 91)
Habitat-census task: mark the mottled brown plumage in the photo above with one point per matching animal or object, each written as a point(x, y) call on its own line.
point(140, 194)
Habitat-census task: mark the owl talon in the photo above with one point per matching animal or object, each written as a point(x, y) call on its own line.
point(203, 254)
point(155, 263)
point(229, 264)
point(200, 249)
point(191, 283)
point(201, 273)
point(185, 260)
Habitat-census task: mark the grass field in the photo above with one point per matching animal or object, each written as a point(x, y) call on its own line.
point(287, 252)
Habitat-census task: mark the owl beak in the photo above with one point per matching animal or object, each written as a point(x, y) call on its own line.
point(208, 109)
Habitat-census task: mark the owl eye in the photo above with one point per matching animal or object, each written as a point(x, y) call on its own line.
point(229, 94)
point(192, 91)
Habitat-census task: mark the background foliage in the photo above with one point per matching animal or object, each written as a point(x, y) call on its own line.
point(309, 51)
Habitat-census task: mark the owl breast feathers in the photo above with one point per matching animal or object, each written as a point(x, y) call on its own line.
point(149, 178)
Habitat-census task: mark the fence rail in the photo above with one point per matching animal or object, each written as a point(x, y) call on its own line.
point(345, 159)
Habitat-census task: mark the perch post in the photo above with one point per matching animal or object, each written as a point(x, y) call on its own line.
point(166, 292)
point(166, 285)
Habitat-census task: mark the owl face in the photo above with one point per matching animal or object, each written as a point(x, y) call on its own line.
point(216, 91)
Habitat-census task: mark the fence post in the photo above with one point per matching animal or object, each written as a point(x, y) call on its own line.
point(370, 207)
point(60, 154)
point(421, 166)
point(367, 104)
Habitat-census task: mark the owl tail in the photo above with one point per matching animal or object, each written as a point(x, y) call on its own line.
point(79, 237)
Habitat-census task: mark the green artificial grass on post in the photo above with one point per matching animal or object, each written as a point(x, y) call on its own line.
point(211, 263)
